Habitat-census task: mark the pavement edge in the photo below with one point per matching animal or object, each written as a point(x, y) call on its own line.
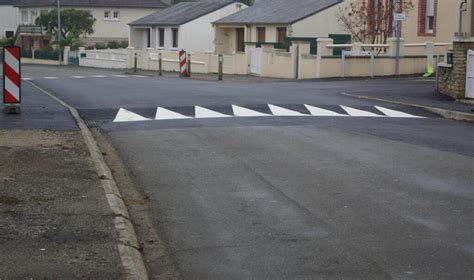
point(447, 114)
point(128, 246)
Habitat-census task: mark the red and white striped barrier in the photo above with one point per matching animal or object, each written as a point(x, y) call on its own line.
point(183, 64)
point(11, 75)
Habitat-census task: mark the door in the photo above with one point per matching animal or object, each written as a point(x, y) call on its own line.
point(240, 39)
point(73, 58)
point(261, 35)
point(256, 61)
point(470, 74)
point(281, 34)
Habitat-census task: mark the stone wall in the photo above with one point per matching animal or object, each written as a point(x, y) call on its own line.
point(452, 79)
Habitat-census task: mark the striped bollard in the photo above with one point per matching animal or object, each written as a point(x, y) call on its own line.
point(183, 71)
point(11, 79)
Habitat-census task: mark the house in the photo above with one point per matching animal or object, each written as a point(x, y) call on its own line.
point(276, 21)
point(436, 21)
point(8, 18)
point(112, 15)
point(186, 25)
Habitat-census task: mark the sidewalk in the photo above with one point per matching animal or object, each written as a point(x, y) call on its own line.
point(423, 97)
point(55, 222)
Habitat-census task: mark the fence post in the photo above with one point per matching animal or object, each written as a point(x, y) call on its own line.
point(80, 51)
point(135, 61)
point(429, 55)
point(160, 64)
point(322, 50)
point(189, 65)
point(130, 51)
point(66, 52)
point(32, 53)
point(221, 66)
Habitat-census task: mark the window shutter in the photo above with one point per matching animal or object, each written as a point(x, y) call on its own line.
point(430, 9)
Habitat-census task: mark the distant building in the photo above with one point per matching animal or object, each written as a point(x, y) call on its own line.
point(8, 18)
point(187, 25)
point(112, 16)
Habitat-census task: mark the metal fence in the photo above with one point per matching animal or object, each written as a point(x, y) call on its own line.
point(48, 55)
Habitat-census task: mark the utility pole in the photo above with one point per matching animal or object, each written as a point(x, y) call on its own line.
point(399, 29)
point(59, 31)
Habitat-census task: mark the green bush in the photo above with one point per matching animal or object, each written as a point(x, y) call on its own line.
point(113, 45)
point(124, 44)
point(100, 46)
point(5, 42)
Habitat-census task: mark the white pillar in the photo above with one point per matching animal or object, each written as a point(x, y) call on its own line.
point(429, 53)
point(392, 49)
point(323, 50)
point(66, 52)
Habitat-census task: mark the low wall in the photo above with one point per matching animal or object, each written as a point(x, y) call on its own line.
point(25, 60)
point(277, 64)
point(103, 63)
point(360, 66)
point(274, 63)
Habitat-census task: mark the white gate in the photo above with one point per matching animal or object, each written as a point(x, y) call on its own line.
point(256, 61)
point(470, 74)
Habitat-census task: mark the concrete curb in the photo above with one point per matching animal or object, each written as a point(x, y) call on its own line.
point(128, 246)
point(447, 114)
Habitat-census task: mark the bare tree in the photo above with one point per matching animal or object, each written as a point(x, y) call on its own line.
point(371, 21)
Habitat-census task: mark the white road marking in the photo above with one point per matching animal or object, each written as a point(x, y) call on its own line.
point(396, 114)
point(124, 115)
point(359, 113)
point(244, 112)
point(138, 76)
point(27, 79)
point(51, 78)
point(77, 77)
point(98, 76)
point(121, 76)
point(202, 112)
point(316, 111)
point(280, 111)
point(165, 114)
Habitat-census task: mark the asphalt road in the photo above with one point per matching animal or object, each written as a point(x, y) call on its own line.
point(288, 197)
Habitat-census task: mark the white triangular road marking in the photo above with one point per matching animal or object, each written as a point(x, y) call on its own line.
point(165, 114)
point(280, 111)
point(396, 114)
point(316, 111)
point(244, 112)
point(359, 113)
point(202, 112)
point(124, 115)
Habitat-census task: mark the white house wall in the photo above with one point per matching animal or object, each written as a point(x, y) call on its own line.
point(199, 34)
point(8, 19)
point(320, 24)
point(113, 29)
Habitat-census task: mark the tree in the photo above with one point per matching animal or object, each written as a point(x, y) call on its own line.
point(371, 21)
point(75, 24)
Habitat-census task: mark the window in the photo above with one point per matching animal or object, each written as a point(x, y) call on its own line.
point(116, 15)
point(175, 37)
point(261, 34)
point(33, 16)
point(161, 32)
point(281, 34)
point(9, 34)
point(427, 17)
point(24, 17)
point(106, 14)
point(240, 39)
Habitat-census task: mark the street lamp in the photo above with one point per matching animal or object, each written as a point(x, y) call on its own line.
point(59, 30)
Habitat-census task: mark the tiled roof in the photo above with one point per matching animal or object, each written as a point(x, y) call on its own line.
point(278, 11)
point(94, 3)
point(180, 13)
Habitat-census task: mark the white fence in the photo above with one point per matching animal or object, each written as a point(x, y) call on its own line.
point(112, 59)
